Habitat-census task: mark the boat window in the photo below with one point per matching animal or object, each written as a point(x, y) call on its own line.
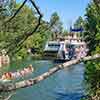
point(54, 45)
point(70, 46)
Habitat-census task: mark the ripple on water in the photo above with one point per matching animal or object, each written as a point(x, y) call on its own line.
point(71, 83)
point(66, 84)
point(69, 96)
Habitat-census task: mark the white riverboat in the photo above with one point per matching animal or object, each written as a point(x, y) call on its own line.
point(71, 47)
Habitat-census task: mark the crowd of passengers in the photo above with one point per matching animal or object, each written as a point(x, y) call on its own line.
point(78, 52)
point(81, 52)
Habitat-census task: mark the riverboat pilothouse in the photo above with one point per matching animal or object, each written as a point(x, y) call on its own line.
point(68, 47)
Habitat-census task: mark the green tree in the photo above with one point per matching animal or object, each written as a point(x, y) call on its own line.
point(92, 26)
point(11, 33)
point(92, 36)
point(79, 23)
point(57, 27)
point(6, 6)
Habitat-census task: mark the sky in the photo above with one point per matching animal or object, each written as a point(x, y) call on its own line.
point(68, 10)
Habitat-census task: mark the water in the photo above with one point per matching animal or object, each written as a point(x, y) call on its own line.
point(66, 84)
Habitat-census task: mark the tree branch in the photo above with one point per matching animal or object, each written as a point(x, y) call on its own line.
point(16, 11)
point(30, 82)
point(25, 36)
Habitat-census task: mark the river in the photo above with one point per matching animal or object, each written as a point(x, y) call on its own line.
point(66, 84)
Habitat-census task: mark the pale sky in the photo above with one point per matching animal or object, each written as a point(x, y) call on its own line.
point(68, 10)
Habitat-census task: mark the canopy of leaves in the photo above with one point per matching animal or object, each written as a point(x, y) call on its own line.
point(92, 36)
point(79, 22)
point(57, 27)
point(24, 22)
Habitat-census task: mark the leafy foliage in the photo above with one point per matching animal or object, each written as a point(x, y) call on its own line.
point(57, 27)
point(25, 21)
point(79, 23)
point(92, 27)
point(11, 32)
point(92, 36)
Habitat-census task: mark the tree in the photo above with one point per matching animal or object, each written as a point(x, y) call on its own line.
point(65, 33)
point(14, 31)
point(92, 26)
point(7, 6)
point(92, 36)
point(57, 27)
point(79, 23)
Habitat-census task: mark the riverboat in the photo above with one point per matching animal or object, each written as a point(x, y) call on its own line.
point(70, 47)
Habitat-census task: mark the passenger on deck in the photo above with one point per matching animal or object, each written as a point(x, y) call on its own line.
point(77, 52)
point(71, 52)
point(82, 51)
